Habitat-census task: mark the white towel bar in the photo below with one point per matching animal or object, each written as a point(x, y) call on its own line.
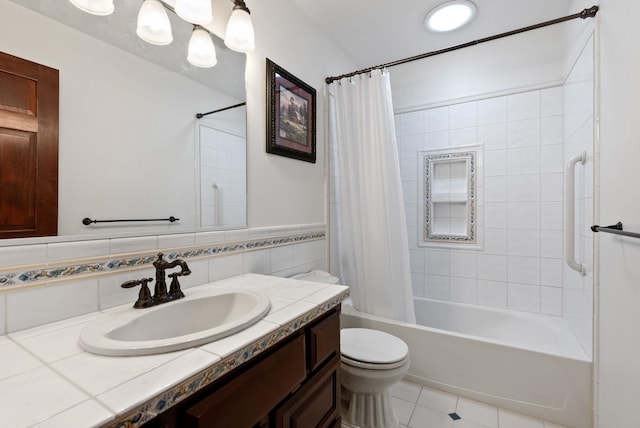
point(216, 201)
point(569, 212)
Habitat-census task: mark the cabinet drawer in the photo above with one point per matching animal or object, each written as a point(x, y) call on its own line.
point(324, 340)
point(315, 405)
point(244, 401)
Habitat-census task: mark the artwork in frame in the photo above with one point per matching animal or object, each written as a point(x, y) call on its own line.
point(291, 115)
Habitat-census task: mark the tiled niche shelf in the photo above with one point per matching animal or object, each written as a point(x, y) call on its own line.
point(447, 196)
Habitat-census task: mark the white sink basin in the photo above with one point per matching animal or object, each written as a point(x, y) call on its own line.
point(197, 319)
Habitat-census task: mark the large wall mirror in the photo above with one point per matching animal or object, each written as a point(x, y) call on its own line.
point(130, 145)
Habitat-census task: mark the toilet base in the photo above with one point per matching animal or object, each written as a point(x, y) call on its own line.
point(368, 410)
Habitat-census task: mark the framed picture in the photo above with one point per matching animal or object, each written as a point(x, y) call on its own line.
point(291, 115)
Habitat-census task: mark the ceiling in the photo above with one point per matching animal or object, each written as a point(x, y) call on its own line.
point(373, 32)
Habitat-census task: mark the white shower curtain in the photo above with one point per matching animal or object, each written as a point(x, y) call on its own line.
point(373, 234)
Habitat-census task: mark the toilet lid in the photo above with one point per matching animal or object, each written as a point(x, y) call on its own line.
point(372, 346)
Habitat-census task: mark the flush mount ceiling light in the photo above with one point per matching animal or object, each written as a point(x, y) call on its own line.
point(154, 26)
point(450, 16)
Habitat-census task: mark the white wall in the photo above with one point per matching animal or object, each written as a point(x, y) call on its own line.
point(283, 190)
point(618, 315)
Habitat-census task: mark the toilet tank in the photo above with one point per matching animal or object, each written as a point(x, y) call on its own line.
point(317, 276)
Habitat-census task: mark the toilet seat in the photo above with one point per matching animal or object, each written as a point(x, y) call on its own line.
point(372, 366)
point(372, 349)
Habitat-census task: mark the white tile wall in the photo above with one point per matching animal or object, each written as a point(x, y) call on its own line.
point(40, 305)
point(3, 313)
point(76, 250)
point(222, 164)
point(22, 255)
point(526, 138)
point(520, 264)
point(23, 308)
point(130, 245)
point(577, 299)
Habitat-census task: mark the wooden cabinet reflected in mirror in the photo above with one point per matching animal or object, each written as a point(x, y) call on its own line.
point(28, 148)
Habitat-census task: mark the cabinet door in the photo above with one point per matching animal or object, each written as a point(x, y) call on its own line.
point(28, 148)
point(316, 404)
point(324, 340)
point(247, 399)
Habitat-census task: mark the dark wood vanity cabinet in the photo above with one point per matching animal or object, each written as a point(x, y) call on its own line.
point(295, 384)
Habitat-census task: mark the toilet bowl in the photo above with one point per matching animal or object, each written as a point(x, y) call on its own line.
point(371, 362)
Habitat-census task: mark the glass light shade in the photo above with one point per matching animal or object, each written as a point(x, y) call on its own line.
point(94, 7)
point(202, 52)
point(153, 23)
point(239, 35)
point(194, 11)
point(450, 16)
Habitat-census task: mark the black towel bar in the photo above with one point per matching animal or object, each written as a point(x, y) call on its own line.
point(616, 229)
point(87, 221)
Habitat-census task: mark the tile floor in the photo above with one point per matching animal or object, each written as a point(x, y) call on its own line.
point(418, 406)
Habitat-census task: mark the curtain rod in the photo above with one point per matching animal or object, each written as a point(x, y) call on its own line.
point(201, 115)
point(586, 13)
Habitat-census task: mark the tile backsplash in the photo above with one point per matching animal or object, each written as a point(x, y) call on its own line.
point(44, 283)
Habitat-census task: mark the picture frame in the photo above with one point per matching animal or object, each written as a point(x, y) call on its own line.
point(291, 115)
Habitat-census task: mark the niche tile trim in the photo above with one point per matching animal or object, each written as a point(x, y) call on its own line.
point(430, 163)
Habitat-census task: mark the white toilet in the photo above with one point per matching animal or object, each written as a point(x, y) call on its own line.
point(371, 361)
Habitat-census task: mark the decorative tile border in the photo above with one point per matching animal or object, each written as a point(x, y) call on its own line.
point(112, 264)
point(178, 393)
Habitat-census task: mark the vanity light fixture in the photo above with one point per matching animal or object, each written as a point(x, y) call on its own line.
point(201, 52)
point(153, 25)
point(239, 35)
point(194, 11)
point(450, 16)
point(94, 7)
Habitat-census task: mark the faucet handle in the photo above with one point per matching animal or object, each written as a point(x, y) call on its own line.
point(144, 297)
point(174, 289)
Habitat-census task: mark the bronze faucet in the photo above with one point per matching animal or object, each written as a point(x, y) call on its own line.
point(160, 294)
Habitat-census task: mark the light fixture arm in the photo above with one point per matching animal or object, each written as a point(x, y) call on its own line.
point(240, 4)
point(172, 10)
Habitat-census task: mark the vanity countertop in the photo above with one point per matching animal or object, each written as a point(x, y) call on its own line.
point(48, 380)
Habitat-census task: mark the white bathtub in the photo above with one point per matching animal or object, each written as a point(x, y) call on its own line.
point(527, 363)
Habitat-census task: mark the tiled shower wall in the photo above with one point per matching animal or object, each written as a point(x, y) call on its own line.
point(519, 265)
point(223, 178)
point(578, 136)
point(526, 139)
